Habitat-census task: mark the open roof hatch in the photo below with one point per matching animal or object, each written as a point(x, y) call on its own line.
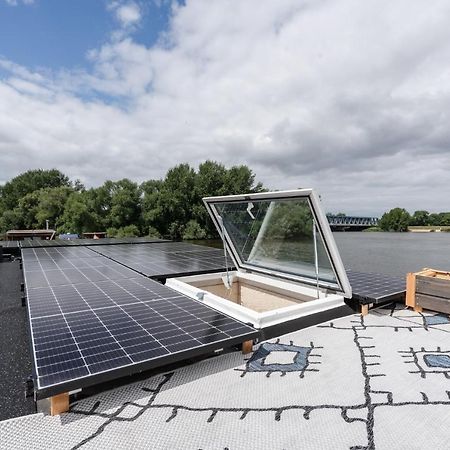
point(283, 234)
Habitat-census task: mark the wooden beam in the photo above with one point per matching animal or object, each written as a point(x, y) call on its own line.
point(364, 310)
point(247, 347)
point(59, 404)
point(411, 290)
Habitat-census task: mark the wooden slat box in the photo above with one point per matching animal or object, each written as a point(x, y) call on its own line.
point(428, 289)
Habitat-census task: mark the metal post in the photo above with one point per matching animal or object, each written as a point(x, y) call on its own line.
point(228, 282)
point(316, 257)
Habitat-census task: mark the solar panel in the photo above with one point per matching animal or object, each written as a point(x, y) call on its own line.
point(37, 243)
point(114, 241)
point(87, 330)
point(167, 259)
point(376, 287)
point(9, 244)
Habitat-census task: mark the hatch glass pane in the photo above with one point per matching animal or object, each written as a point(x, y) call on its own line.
point(278, 235)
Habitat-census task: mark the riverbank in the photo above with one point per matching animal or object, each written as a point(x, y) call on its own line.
point(429, 229)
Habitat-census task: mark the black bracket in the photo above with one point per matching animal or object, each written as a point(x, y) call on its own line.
point(29, 387)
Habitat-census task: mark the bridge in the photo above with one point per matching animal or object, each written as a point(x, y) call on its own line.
point(351, 223)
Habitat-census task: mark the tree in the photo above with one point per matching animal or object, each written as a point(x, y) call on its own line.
point(171, 207)
point(125, 203)
point(51, 206)
point(28, 182)
point(80, 213)
point(434, 219)
point(193, 231)
point(169, 203)
point(26, 211)
point(445, 219)
point(396, 219)
point(213, 179)
point(128, 231)
point(420, 218)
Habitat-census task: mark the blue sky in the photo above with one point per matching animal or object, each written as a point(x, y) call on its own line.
point(58, 33)
point(327, 94)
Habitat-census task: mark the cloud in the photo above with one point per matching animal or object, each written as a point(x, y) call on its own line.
point(128, 14)
point(18, 2)
point(329, 94)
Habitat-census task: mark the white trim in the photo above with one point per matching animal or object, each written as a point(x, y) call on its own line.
point(257, 319)
point(261, 195)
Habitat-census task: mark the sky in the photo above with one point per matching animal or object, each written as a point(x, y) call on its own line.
point(349, 97)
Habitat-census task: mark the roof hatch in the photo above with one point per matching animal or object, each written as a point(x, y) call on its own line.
point(284, 234)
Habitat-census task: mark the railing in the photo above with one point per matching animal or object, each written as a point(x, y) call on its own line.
point(350, 221)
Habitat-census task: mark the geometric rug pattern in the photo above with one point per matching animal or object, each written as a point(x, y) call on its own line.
point(376, 382)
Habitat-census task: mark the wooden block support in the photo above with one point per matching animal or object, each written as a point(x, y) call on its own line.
point(247, 347)
point(411, 290)
point(59, 404)
point(364, 310)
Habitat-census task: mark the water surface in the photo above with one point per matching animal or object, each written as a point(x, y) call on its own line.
point(394, 253)
point(389, 253)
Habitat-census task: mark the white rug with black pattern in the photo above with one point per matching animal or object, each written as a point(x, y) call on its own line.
point(378, 382)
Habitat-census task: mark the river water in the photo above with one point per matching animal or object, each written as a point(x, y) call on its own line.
point(394, 253)
point(389, 253)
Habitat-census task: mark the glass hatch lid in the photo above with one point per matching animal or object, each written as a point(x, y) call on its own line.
point(283, 233)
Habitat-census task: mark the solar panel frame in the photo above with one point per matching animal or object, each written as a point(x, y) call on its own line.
point(375, 287)
point(60, 327)
point(168, 259)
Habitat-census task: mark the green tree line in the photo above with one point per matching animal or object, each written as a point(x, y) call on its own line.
point(170, 207)
point(399, 219)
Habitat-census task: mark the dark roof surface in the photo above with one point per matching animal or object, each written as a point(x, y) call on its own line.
point(15, 358)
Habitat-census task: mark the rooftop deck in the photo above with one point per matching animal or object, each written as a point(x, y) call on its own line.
point(381, 381)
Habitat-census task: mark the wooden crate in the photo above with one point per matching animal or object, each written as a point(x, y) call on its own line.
point(428, 289)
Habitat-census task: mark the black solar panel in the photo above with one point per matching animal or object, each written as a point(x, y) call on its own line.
point(376, 287)
point(86, 331)
point(165, 260)
point(9, 244)
point(115, 241)
point(37, 243)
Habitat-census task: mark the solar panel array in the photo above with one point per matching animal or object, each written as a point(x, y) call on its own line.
point(167, 259)
point(36, 243)
point(9, 244)
point(93, 319)
point(376, 287)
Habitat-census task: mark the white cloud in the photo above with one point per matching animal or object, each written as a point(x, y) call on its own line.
point(330, 94)
point(126, 13)
point(17, 2)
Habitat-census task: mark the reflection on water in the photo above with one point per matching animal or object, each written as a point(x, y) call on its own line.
point(390, 253)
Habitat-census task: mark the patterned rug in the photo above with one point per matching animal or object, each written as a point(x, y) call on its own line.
point(376, 382)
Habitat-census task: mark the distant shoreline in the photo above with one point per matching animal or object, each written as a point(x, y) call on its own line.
point(429, 229)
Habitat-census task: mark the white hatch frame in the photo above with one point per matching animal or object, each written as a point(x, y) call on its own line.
point(342, 283)
point(187, 286)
